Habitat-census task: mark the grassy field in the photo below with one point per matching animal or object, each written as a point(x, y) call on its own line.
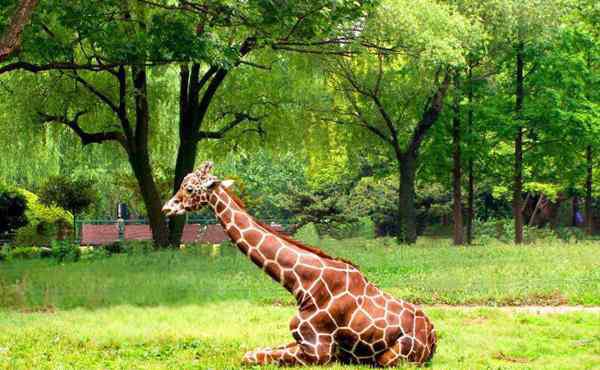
point(203, 308)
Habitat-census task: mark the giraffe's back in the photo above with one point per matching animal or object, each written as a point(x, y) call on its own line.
point(369, 326)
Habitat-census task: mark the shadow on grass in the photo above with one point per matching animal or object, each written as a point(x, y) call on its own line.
point(430, 273)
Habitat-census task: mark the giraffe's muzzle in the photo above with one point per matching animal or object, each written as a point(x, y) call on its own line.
point(173, 208)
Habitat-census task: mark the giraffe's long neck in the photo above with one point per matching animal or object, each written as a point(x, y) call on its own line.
point(263, 247)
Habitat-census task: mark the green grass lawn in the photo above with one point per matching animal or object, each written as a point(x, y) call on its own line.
point(203, 308)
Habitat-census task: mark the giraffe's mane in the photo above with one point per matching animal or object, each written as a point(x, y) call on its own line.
point(309, 248)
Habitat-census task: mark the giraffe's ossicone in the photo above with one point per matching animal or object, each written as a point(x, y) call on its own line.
point(341, 315)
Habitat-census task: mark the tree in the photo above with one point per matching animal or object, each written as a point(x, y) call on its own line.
point(74, 195)
point(395, 87)
point(107, 57)
point(298, 26)
point(10, 42)
point(458, 232)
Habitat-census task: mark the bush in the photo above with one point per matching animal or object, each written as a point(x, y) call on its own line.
point(12, 211)
point(363, 227)
point(366, 228)
point(571, 234)
point(64, 250)
point(114, 248)
point(138, 247)
point(24, 253)
point(504, 231)
point(308, 234)
point(46, 252)
point(44, 223)
point(91, 253)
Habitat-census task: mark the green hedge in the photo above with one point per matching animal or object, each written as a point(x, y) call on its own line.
point(44, 223)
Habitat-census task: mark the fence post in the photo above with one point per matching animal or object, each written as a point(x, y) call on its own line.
point(121, 226)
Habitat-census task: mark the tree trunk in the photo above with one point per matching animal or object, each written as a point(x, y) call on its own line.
point(407, 232)
point(139, 158)
point(140, 163)
point(518, 169)
point(10, 42)
point(456, 171)
point(588, 191)
point(192, 113)
point(471, 180)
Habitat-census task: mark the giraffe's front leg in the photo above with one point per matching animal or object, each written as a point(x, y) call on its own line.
point(263, 356)
point(290, 355)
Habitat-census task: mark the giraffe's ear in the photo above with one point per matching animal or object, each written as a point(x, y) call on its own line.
point(227, 183)
point(204, 169)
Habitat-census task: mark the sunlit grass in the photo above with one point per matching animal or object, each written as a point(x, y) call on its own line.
point(216, 335)
point(204, 308)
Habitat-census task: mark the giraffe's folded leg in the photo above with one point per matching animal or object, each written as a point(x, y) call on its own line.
point(405, 348)
point(290, 355)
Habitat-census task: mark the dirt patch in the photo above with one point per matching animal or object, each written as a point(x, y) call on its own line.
point(475, 321)
point(540, 310)
point(504, 357)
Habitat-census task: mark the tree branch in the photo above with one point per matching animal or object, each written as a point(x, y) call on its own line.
point(34, 68)
point(105, 99)
point(10, 43)
point(86, 137)
point(238, 119)
point(429, 117)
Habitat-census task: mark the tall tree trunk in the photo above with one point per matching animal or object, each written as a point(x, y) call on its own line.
point(588, 190)
point(518, 165)
point(10, 42)
point(140, 163)
point(192, 113)
point(139, 158)
point(471, 180)
point(456, 171)
point(407, 232)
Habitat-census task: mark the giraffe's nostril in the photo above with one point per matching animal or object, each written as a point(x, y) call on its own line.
point(188, 208)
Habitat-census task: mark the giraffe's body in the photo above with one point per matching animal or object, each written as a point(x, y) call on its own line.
point(341, 315)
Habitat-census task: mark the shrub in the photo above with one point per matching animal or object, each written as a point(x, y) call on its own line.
point(571, 234)
point(308, 234)
point(44, 223)
point(114, 248)
point(25, 253)
point(46, 252)
point(138, 247)
point(504, 231)
point(64, 250)
point(366, 228)
point(363, 227)
point(12, 211)
point(94, 254)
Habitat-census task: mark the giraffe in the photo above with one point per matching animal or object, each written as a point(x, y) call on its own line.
point(341, 315)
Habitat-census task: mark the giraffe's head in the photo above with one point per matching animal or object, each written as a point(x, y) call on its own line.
point(194, 192)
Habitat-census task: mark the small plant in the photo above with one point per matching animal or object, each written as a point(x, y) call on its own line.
point(308, 234)
point(24, 253)
point(64, 250)
point(93, 254)
point(138, 247)
point(114, 248)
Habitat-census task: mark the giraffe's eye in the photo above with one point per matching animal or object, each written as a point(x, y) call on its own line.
point(190, 189)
